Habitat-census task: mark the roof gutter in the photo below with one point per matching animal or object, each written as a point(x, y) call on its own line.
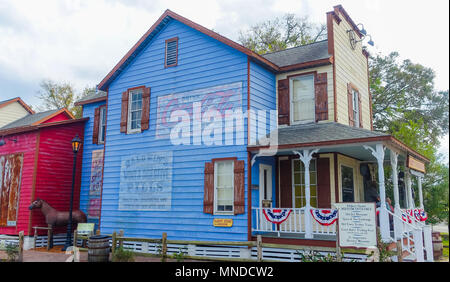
point(23, 129)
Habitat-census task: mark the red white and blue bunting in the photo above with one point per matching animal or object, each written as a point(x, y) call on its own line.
point(418, 214)
point(277, 216)
point(324, 216)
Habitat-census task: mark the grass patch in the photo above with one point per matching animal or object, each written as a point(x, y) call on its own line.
point(445, 243)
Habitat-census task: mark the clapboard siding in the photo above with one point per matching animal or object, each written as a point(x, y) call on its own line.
point(202, 62)
point(351, 67)
point(25, 144)
point(88, 147)
point(262, 98)
point(55, 166)
point(12, 112)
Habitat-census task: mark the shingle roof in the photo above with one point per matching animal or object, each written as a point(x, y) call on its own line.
point(300, 54)
point(29, 119)
point(322, 132)
point(91, 96)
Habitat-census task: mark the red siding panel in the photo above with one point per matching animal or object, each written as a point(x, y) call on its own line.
point(54, 179)
point(59, 117)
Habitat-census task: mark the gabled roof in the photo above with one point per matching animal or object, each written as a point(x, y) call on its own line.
point(299, 55)
point(37, 118)
point(157, 26)
point(92, 98)
point(18, 100)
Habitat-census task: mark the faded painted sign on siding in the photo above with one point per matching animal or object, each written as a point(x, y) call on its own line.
point(220, 98)
point(10, 177)
point(146, 182)
point(95, 186)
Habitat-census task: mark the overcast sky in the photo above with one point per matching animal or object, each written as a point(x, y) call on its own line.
point(81, 41)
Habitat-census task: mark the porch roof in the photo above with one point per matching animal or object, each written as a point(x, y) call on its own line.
point(332, 134)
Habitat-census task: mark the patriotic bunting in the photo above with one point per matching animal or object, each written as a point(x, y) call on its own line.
point(276, 216)
point(324, 216)
point(410, 214)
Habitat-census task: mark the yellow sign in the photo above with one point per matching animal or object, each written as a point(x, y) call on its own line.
point(223, 222)
point(415, 164)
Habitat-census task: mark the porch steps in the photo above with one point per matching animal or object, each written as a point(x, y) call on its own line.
point(406, 256)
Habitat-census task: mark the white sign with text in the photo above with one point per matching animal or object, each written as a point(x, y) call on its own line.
point(357, 225)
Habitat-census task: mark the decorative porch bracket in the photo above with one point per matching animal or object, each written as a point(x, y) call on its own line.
point(378, 153)
point(306, 156)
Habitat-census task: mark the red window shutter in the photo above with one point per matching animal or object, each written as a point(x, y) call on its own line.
point(323, 183)
point(360, 110)
point(239, 187)
point(145, 109)
point(208, 200)
point(124, 113)
point(283, 102)
point(96, 125)
point(351, 120)
point(321, 96)
point(285, 183)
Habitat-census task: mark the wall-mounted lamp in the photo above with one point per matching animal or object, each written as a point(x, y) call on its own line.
point(352, 37)
point(363, 31)
point(3, 141)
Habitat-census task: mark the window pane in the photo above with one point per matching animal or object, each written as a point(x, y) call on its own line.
point(347, 184)
point(224, 186)
point(303, 98)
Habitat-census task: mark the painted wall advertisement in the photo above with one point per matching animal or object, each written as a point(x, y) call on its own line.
point(146, 182)
point(95, 184)
point(220, 98)
point(357, 225)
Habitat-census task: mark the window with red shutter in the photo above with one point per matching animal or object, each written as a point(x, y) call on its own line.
point(96, 125)
point(321, 96)
point(283, 102)
point(224, 187)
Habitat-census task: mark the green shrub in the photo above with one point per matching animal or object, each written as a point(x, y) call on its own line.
point(12, 251)
point(123, 255)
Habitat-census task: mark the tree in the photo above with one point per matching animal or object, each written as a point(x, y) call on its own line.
point(403, 93)
point(406, 105)
point(61, 95)
point(281, 33)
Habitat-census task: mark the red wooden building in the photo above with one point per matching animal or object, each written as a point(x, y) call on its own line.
point(36, 161)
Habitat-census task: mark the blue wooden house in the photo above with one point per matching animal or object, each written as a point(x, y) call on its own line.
point(195, 135)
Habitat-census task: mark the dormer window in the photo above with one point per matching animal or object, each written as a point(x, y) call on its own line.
point(302, 97)
point(171, 58)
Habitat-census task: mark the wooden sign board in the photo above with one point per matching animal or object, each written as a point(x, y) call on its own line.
point(357, 225)
point(223, 222)
point(415, 164)
point(85, 228)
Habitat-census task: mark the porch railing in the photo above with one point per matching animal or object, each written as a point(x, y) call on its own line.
point(413, 238)
point(294, 224)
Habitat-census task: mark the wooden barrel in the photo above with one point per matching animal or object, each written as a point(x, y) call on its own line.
point(437, 245)
point(98, 248)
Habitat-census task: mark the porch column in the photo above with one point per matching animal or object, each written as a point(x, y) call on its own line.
point(394, 163)
point(378, 153)
point(408, 189)
point(305, 157)
point(419, 184)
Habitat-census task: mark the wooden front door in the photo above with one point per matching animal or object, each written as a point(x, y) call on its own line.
point(265, 184)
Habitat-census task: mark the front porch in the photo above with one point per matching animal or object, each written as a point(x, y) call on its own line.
point(337, 164)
